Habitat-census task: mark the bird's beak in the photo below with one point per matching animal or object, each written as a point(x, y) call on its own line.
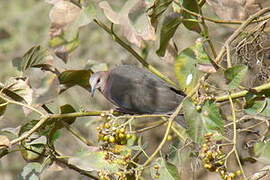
point(93, 89)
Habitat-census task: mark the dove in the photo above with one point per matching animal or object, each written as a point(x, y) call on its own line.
point(136, 90)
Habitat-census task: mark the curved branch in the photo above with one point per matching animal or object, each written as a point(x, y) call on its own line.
point(134, 53)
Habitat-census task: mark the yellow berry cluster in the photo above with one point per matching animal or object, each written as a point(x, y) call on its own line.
point(157, 174)
point(103, 175)
point(114, 156)
point(213, 158)
point(111, 133)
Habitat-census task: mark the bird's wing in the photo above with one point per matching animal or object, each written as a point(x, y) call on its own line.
point(141, 93)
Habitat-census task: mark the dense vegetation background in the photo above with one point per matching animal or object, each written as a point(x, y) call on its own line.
point(217, 52)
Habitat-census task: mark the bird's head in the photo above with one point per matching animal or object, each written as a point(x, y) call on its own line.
point(98, 81)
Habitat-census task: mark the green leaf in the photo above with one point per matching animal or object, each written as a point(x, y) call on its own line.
point(67, 108)
point(65, 49)
point(32, 152)
point(39, 140)
point(157, 9)
point(31, 171)
point(57, 41)
point(193, 6)
point(94, 161)
point(27, 126)
point(166, 171)
point(75, 77)
point(259, 107)
point(186, 72)
point(11, 133)
point(57, 125)
point(207, 119)
point(169, 26)
point(32, 57)
point(200, 53)
point(3, 152)
point(19, 89)
point(14, 96)
point(235, 75)
point(262, 152)
point(188, 63)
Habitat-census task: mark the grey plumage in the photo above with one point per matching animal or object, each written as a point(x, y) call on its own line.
point(136, 90)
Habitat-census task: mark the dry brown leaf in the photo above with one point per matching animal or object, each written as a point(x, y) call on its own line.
point(134, 32)
point(56, 167)
point(64, 13)
point(207, 68)
point(4, 141)
point(236, 9)
point(21, 87)
point(48, 90)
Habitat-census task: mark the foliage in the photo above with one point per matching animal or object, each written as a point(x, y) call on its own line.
point(226, 107)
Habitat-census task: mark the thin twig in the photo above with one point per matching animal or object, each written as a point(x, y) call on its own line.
point(20, 104)
point(242, 93)
point(31, 131)
point(170, 122)
point(261, 173)
point(149, 127)
point(206, 33)
point(239, 31)
point(179, 134)
point(235, 138)
point(229, 61)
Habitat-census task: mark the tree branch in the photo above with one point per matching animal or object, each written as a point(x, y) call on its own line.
point(134, 53)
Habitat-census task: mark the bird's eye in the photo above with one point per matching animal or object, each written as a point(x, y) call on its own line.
point(98, 81)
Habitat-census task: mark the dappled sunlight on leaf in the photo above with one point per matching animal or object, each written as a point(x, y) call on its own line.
point(262, 152)
point(201, 121)
point(235, 75)
point(93, 161)
point(188, 66)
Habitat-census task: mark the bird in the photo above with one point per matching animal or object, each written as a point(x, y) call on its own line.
point(136, 90)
